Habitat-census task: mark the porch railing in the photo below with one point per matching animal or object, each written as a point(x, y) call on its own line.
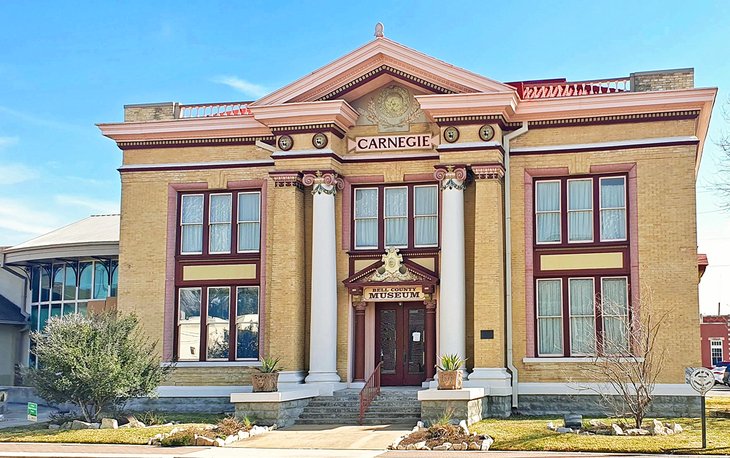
point(214, 109)
point(369, 391)
point(561, 88)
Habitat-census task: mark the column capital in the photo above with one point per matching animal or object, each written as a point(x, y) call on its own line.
point(287, 179)
point(430, 305)
point(488, 171)
point(327, 182)
point(451, 177)
point(359, 306)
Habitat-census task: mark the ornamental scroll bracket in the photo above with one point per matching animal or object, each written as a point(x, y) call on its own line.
point(451, 177)
point(323, 182)
point(488, 172)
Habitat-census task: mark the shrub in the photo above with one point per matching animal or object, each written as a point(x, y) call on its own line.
point(96, 362)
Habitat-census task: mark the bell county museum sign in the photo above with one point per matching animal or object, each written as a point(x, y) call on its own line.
point(393, 293)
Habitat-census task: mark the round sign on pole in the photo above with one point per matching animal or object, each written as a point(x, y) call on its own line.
point(702, 380)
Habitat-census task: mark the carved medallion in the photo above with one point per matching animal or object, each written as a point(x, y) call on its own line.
point(392, 268)
point(392, 110)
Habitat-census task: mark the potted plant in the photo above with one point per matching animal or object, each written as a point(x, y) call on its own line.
point(450, 375)
point(267, 377)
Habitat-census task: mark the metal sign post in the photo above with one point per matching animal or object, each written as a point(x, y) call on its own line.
point(702, 380)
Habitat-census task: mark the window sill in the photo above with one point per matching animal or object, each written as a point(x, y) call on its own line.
point(252, 363)
point(576, 359)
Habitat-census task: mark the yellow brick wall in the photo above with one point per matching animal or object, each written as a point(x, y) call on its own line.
point(194, 154)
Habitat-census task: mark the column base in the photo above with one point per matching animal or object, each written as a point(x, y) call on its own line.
point(326, 382)
point(496, 379)
point(291, 379)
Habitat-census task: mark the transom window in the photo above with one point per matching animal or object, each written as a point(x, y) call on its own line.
point(207, 223)
point(225, 327)
point(575, 210)
point(403, 216)
point(574, 319)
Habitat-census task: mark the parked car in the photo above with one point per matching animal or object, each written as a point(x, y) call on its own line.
point(721, 371)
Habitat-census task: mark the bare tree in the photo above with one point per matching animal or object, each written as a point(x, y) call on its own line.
point(628, 358)
point(720, 182)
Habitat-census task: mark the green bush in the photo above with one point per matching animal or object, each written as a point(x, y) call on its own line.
point(96, 362)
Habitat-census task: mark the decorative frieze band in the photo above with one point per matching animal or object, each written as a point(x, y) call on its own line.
point(323, 182)
point(287, 179)
point(488, 172)
point(451, 177)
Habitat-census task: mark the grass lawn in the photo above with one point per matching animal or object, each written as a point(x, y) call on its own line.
point(531, 433)
point(41, 433)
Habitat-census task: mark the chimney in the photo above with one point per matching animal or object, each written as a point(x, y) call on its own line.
point(663, 80)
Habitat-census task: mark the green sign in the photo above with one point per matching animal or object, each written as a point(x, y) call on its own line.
point(32, 411)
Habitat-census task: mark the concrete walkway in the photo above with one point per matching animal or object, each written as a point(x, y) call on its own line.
point(328, 437)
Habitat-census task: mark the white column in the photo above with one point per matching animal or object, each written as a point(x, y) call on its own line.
point(452, 296)
point(323, 318)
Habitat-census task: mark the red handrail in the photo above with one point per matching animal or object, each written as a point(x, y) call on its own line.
point(369, 391)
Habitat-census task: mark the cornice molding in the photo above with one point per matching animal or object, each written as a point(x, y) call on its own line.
point(488, 171)
point(289, 115)
point(143, 144)
point(176, 129)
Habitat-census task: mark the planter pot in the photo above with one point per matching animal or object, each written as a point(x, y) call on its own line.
point(265, 382)
point(450, 380)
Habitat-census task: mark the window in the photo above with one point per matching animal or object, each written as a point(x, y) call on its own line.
point(547, 211)
point(425, 215)
point(716, 351)
point(403, 216)
point(549, 317)
point(613, 208)
point(191, 222)
point(614, 307)
point(396, 217)
point(188, 324)
point(582, 316)
point(366, 218)
point(220, 223)
point(207, 316)
point(580, 210)
point(249, 221)
point(101, 280)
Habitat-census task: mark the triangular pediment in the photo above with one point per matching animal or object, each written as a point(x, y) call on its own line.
point(377, 63)
point(392, 269)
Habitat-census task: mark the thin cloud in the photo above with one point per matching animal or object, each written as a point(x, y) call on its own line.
point(94, 205)
point(6, 142)
point(16, 173)
point(17, 218)
point(250, 89)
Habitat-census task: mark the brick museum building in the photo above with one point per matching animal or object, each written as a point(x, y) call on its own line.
point(389, 207)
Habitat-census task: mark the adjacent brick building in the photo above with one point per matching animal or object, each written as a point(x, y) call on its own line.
point(715, 333)
point(389, 207)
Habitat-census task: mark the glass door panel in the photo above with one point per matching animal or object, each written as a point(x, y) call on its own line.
point(388, 341)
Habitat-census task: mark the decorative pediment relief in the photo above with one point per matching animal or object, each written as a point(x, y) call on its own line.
point(391, 269)
point(392, 108)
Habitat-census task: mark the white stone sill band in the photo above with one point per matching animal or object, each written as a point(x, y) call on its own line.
point(252, 363)
point(547, 359)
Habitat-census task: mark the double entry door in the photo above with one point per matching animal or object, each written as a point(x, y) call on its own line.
point(400, 342)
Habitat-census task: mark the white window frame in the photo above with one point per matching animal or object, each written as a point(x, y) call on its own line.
point(569, 211)
point(592, 316)
point(601, 208)
point(386, 218)
point(537, 317)
point(628, 312)
point(207, 315)
point(376, 218)
point(177, 320)
point(415, 217)
point(219, 223)
point(559, 211)
point(182, 225)
point(717, 343)
point(239, 221)
point(258, 322)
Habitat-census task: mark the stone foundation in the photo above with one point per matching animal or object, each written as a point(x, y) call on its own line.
point(554, 404)
point(284, 413)
point(181, 404)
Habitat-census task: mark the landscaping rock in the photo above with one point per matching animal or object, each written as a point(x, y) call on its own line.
point(411, 447)
point(677, 428)
point(658, 428)
point(474, 446)
point(573, 421)
point(487, 442)
point(395, 443)
point(231, 439)
point(551, 426)
point(616, 430)
point(203, 441)
point(421, 445)
point(444, 446)
point(134, 423)
point(562, 430)
point(78, 424)
point(457, 447)
point(596, 423)
point(462, 425)
point(109, 423)
point(66, 425)
point(243, 435)
point(420, 424)
point(668, 431)
point(94, 425)
point(52, 426)
point(220, 442)
point(637, 432)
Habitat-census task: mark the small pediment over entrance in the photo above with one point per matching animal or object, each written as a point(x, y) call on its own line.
point(392, 270)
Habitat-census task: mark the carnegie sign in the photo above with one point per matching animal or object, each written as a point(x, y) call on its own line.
point(393, 293)
point(392, 142)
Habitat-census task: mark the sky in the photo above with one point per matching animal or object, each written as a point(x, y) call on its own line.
point(65, 66)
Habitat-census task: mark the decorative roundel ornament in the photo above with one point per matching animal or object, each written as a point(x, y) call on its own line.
point(319, 140)
point(486, 132)
point(451, 134)
point(285, 142)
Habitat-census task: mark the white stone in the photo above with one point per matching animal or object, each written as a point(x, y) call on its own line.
point(677, 428)
point(243, 435)
point(411, 447)
point(397, 442)
point(323, 325)
point(109, 423)
point(616, 430)
point(220, 442)
point(551, 426)
point(474, 446)
point(78, 424)
point(94, 425)
point(420, 445)
point(53, 426)
point(231, 439)
point(464, 427)
point(563, 430)
point(637, 432)
point(420, 424)
point(487, 442)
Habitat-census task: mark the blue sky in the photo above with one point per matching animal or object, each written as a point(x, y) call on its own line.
point(66, 66)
